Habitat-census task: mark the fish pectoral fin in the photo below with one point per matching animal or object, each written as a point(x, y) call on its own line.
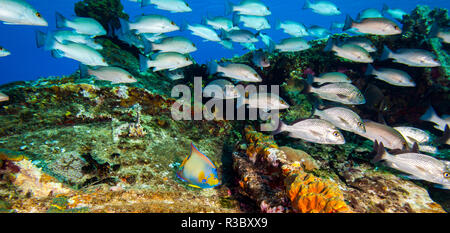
point(56, 53)
point(315, 133)
point(341, 96)
point(343, 120)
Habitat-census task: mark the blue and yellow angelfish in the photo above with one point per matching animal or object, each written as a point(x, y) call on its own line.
point(198, 170)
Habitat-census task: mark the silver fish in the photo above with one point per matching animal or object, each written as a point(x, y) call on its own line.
point(3, 97)
point(375, 26)
point(264, 101)
point(150, 24)
point(313, 130)
point(113, 74)
point(249, 46)
point(369, 13)
point(164, 61)
point(349, 51)
point(248, 7)
point(266, 39)
point(82, 25)
point(411, 57)
point(177, 44)
point(219, 23)
point(62, 36)
point(175, 74)
point(419, 166)
point(292, 28)
point(412, 134)
point(79, 52)
point(344, 93)
point(342, 118)
point(331, 77)
point(174, 6)
point(392, 76)
point(390, 137)
point(221, 89)
point(240, 72)
point(431, 116)
point(293, 44)
point(322, 7)
point(395, 13)
point(204, 32)
point(428, 149)
point(250, 21)
point(19, 12)
point(260, 59)
point(226, 44)
point(362, 42)
point(240, 36)
point(318, 31)
point(4, 52)
point(440, 32)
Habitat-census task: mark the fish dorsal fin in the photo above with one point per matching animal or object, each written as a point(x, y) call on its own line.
point(196, 152)
point(415, 148)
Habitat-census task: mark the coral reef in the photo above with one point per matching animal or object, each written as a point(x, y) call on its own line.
point(104, 11)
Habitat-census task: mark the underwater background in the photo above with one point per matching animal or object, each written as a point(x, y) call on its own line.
point(76, 143)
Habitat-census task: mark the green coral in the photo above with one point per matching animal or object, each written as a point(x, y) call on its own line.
point(104, 11)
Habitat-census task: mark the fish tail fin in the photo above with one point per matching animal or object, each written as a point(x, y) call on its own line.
point(143, 63)
point(60, 20)
point(228, 7)
point(307, 4)
point(281, 127)
point(84, 73)
point(148, 47)
point(348, 23)
point(204, 20)
point(236, 18)
point(124, 25)
point(145, 3)
point(381, 152)
point(184, 25)
point(277, 24)
point(329, 46)
point(434, 30)
point(386, 53)
point(358, 17)
point(272, 46)
point(212, 67)
point(385, 8)
point(369, 70)
point(430, 115)
point(41, 39)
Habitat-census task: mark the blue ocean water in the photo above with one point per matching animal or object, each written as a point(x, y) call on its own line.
point(27, 62)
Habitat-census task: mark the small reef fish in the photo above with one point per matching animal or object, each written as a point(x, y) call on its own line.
point(249, 46)
point(293, 44)
point(4, 52)
point(198, 170)
point(390, 137)
point(177, 44)
point(219, 23)
point(369, 13)
point(349, 51)
point(331, 77)
point(440, 32)
point(419, 166)
point(240, 72)
point(322, 7)
point(267, 40)
point(342, 118)
point(174, 6)
point(132, 39)
point(19, 12)
point(392, 76)
point(344, 93)
point(82, 25)
point(62, 35)
point(174, 74)
point(292, 28)
point(240, 36)
point(156, 24)
point(260, 59)
point(204, 32)
point(3, 97)
point(431, 116)
point(264, 101)
point(107, 73)
point(221, 89)
point(248, 7)
point(411, 57)
point(250, 21)
point(75, 51)
point(362, 42)
point(395, 13)
point(412, 134)
point(313, 130)
point(375, 26)
point(164, 61)
point(318, 31)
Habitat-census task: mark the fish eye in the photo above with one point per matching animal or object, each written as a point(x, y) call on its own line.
point(172, 23)
point(360, 124)
point(446, 175)
point(336, 133)
point(187, 59)
point(255, 75)
point(129, 76)
point(187, 5)
point(38, 15)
